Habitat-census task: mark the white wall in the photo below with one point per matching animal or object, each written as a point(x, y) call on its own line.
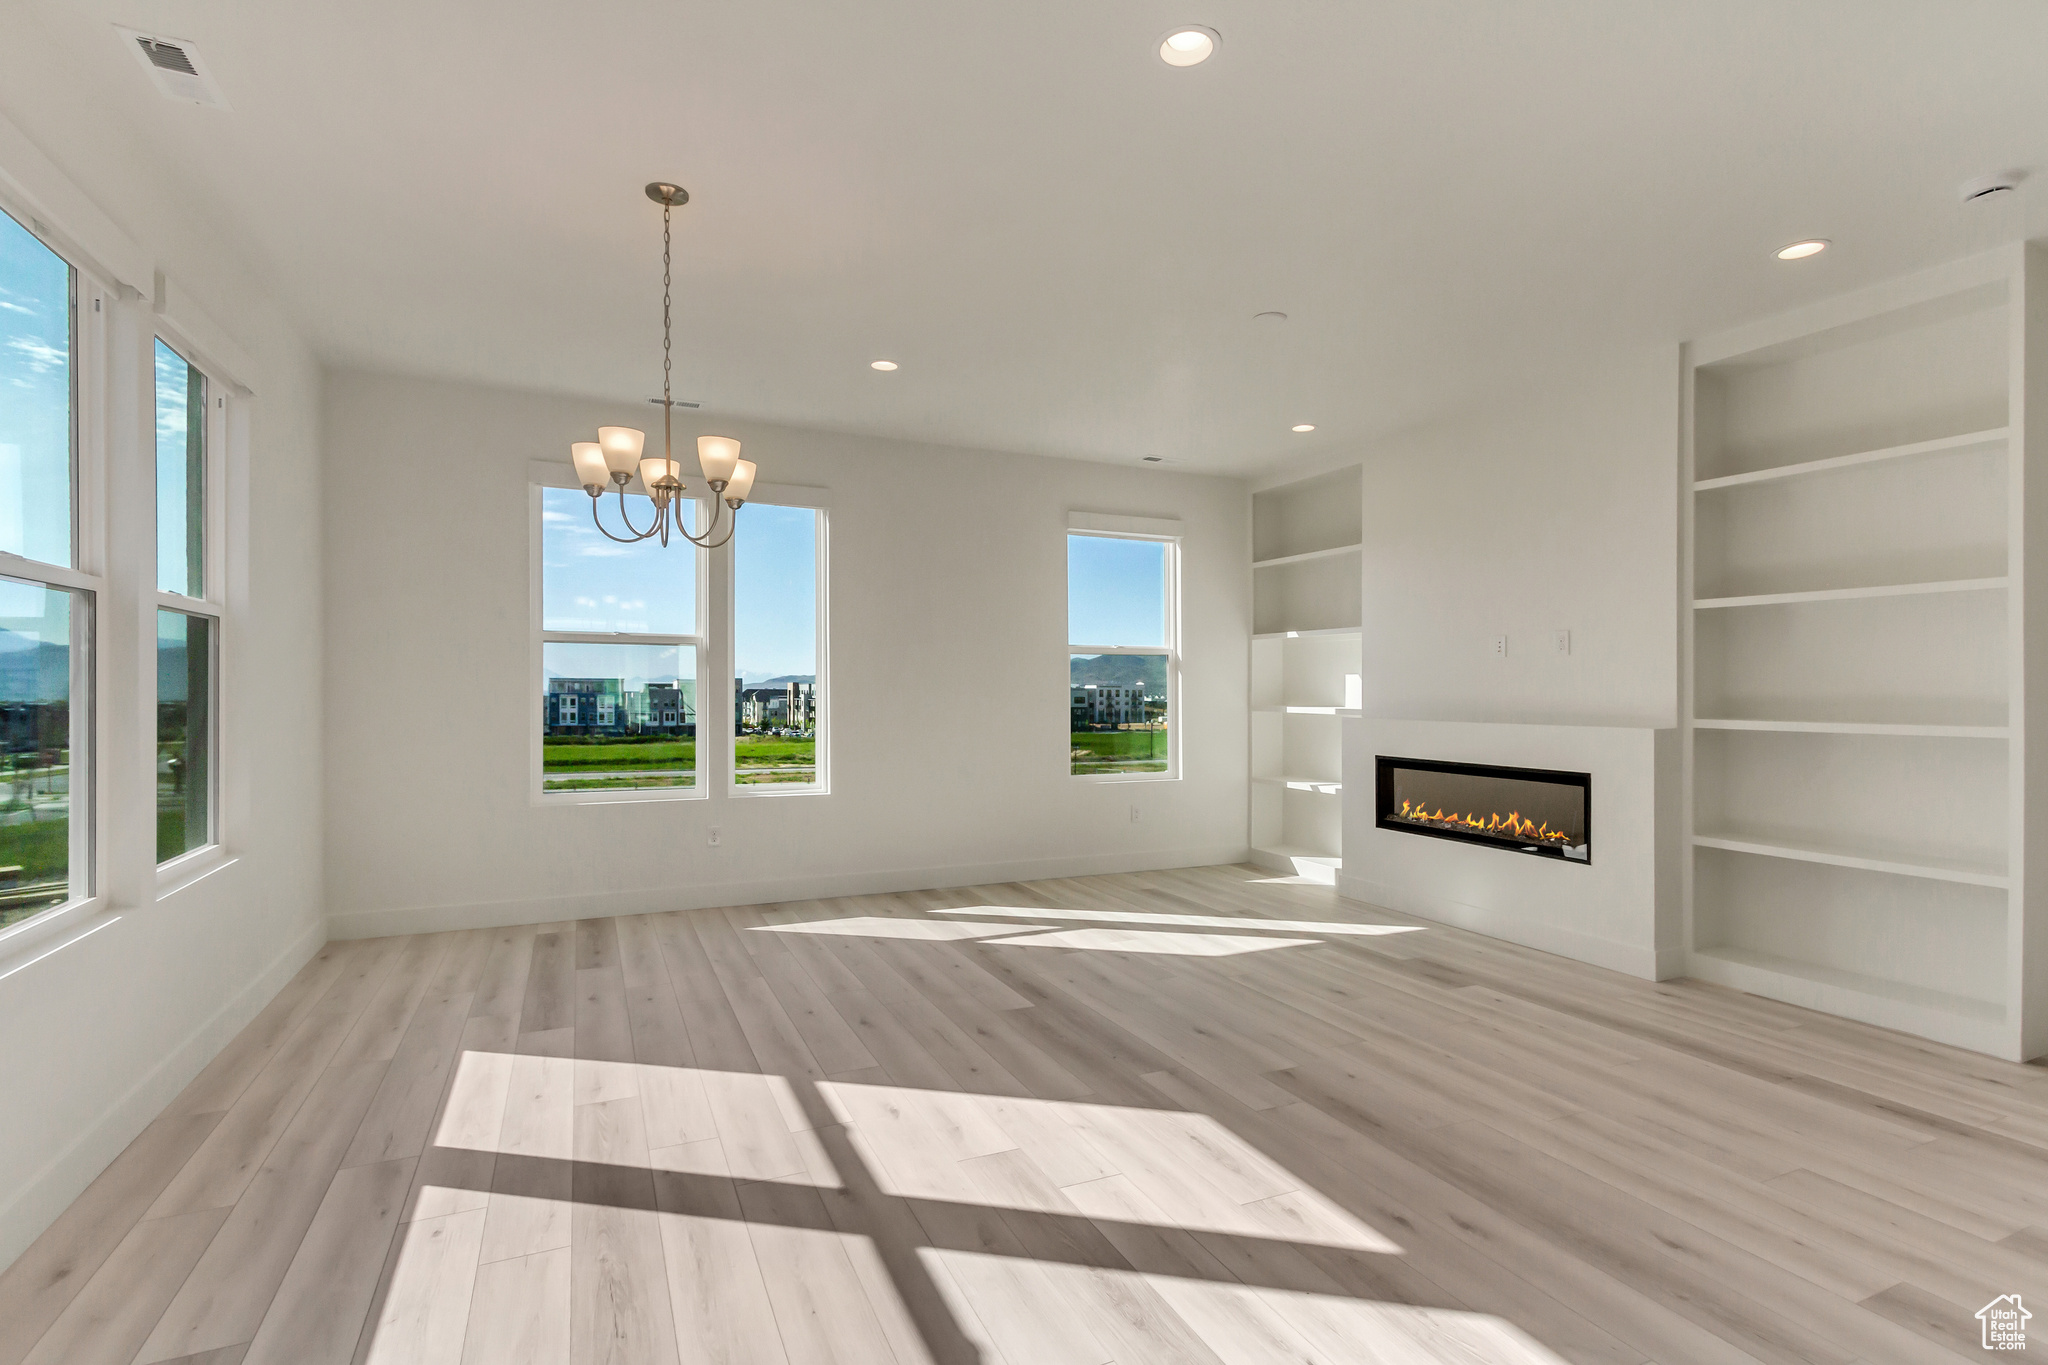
point(1557, 512)
point(101, 1031)
point(948, 676)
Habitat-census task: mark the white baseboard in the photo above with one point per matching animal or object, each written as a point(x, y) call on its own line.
point(1647, 963)
point(37, 1201)
point(425, 919)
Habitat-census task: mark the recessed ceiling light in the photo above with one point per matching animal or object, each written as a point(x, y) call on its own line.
point(1188, 46)
point(1306, 426)
point(881, 364)
point(1799, 251)
point(1273, 316)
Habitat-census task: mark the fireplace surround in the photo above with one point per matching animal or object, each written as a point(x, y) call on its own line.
point(1538, 811)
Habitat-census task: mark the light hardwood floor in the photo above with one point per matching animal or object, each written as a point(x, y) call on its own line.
point(1188, 1116)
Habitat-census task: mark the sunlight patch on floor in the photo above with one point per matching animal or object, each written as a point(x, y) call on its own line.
point(1241, 1324)
point(1151, 941)
point(879, 926)
point(1163, 1167)
point(742, 1124)
point(1278, 926)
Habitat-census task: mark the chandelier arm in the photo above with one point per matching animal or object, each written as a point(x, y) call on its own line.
point(704, 542)
point(728, 530)
point(626, 517)
point(598, 521)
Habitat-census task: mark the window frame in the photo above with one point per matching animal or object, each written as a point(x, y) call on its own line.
point(85, 577)
point(816, 500)
point(212, 601)
point(548, 474)
point(1157, 530)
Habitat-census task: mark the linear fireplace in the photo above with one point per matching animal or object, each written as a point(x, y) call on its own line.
point(1522, 810)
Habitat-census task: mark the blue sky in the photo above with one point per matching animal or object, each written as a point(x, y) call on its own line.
point(594, 584)
point(35, 397)
point(173, 391)
point(1116, 591)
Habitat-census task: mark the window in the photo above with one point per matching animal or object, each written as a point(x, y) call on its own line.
point(619, 652)
point(777, 643)
point(46, 601)
point(180, 475)
point(188, 610)
point(184, 733)
point(1123, 660)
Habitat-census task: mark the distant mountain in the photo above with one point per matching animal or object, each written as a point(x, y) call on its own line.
point(779, 680)
point(1122, 670)
point(33, 670)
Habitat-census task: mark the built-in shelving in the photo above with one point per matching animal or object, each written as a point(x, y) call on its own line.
point(1316, 785)
point(1854, 656)
point(1852, 727)
point(1933, 870)
point(1308, 556)
point(1307, 563)
point(1794, 471)
point(1774, 599)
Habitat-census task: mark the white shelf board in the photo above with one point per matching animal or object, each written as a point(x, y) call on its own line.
point(1771, 599)
point(1933, 869)
point(1960, 1020)
point(1308, 555)
point(1304, 784)
point(1850, 727)
point(1793, 471)
point(1306, 710)
point(1306, 634)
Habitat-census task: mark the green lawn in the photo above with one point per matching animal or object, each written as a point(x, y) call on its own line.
point(1118, 751)
point(774, 758)
point(670, 762)
point(615, 758)
point(43, 851)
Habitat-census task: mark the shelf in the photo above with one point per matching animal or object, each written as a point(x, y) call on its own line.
point(1306, 556)
point(1841, 727)
point(1303, 784)
point(1307, 634)
point(1933, 869)
point(1306, 710)
point(1941, 1015)
point(1773, 599)
point(1793, 471)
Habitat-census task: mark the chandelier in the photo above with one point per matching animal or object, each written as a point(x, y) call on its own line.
point(616, 455)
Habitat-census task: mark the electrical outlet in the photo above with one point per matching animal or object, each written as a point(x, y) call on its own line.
point(1500, 646)
point(1134, 812)
point(1563, 641)
point(714, 836)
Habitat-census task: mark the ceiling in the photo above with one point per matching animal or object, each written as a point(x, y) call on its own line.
point(1062, 240)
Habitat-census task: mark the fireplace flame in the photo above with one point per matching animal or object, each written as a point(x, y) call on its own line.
point(1512, 824)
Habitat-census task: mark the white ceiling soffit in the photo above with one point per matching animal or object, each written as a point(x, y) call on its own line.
point(1061, 240)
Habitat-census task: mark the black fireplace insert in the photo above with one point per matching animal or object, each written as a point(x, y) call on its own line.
point(1522, 810)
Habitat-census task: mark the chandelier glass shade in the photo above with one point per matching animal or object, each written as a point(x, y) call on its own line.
point(619, 453)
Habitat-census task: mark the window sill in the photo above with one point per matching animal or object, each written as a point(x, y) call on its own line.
point(189, 868)
point(1125, 777)
point(29, 942)
point(758, 789)
point(625, 797)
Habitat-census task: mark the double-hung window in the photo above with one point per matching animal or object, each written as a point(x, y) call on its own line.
point(48, 582)
point(1123, 652)
point(190, 426)
point(620, 644)
point(778, 650)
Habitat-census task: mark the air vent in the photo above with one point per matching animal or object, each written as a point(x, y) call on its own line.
point(177, 68)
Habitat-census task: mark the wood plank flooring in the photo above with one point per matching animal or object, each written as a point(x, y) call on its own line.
point(1191, 1116)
